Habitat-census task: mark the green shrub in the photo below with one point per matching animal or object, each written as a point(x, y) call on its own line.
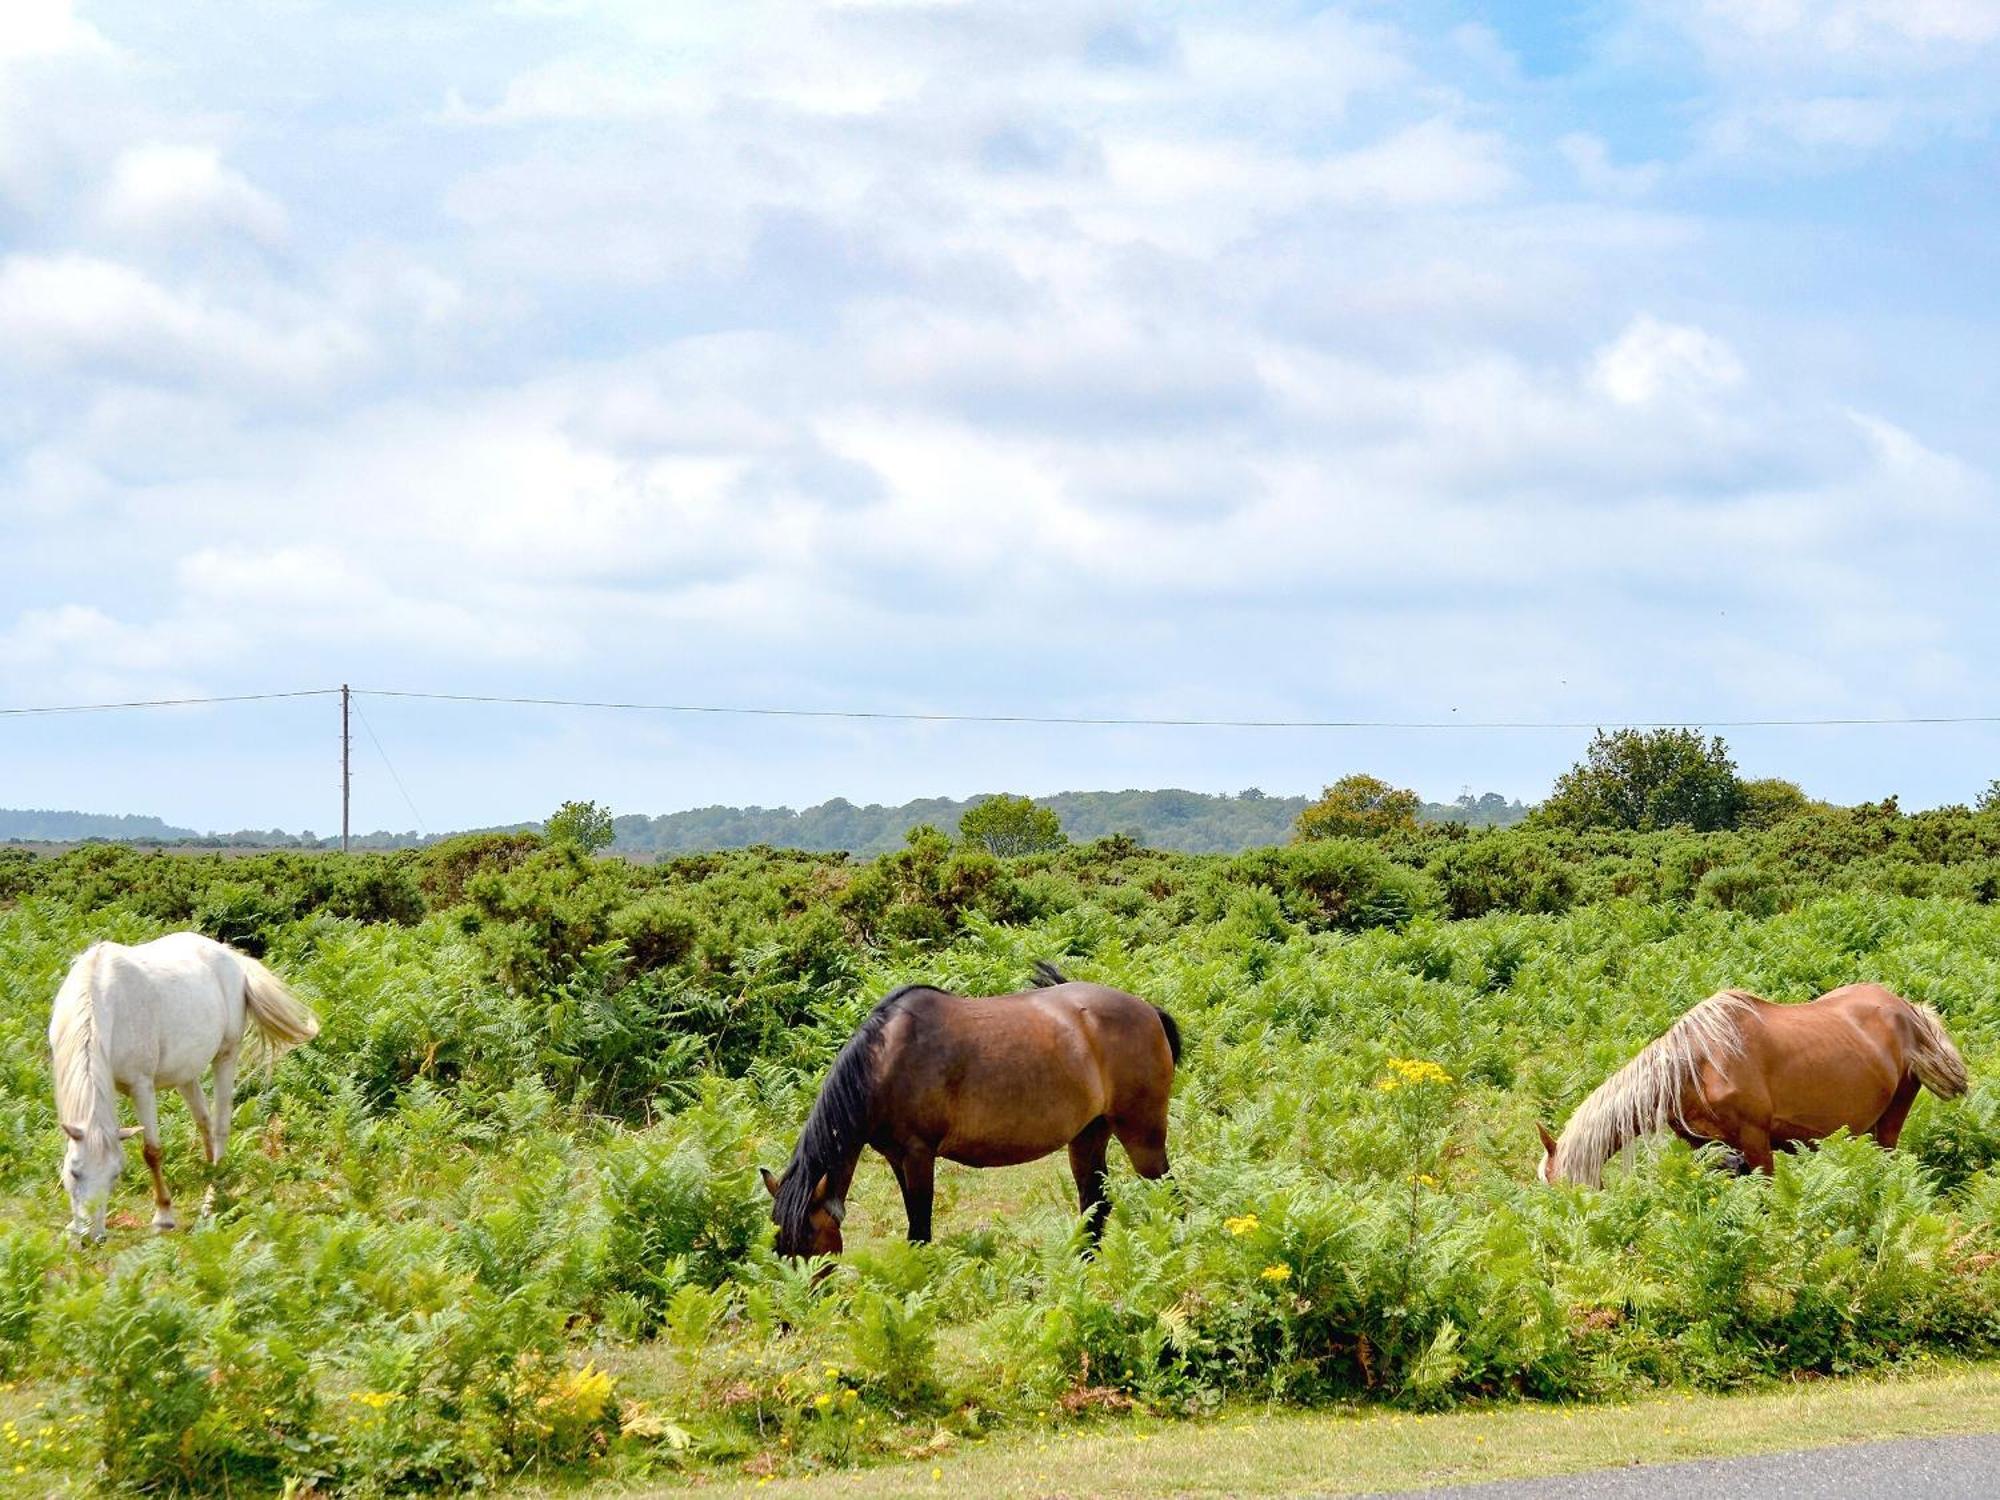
point(1747, 889)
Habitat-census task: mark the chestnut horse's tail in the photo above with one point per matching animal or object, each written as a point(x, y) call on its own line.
point(1934, 1059)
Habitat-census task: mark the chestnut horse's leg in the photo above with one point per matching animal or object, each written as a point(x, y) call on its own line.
point(916, 1175)
point(1753, 1144)
point(1086, 1164)
point(1889, 1128)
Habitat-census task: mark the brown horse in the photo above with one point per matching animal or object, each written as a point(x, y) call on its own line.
point(1758, 1076)
point(986, 1082)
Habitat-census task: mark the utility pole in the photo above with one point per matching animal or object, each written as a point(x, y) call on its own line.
point(346, 766)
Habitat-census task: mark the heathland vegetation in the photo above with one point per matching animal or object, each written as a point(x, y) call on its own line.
point(502, 1217)
point(1190, 822)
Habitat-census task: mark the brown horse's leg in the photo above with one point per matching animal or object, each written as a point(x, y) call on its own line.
point(916, 1175)
point(1753, 1143)
point(1086, 1164)
point(1889, 1128)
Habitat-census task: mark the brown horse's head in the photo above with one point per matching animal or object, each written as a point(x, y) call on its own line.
point(1547, 1170)
point(808, 1228)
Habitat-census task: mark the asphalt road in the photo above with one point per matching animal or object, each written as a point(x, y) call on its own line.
point(1961, 1468)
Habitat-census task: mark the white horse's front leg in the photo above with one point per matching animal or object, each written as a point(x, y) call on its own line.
point(225, 1104)
point(146, 1107)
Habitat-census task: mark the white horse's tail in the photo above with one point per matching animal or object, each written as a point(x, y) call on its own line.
point(281, 1018)
point(1934, 1059)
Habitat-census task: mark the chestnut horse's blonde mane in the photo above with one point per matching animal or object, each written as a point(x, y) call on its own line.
point(84, 1088)
point(1645, 1095)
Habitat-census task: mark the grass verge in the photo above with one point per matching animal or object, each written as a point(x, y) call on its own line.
point(1289, 1453)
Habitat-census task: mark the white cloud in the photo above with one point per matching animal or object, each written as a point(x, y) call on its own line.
point(84, 313)
point(31, 29)
point(979, 356)
point(1651, 359)
point(1591, 160)
point(1871, 32)
point(159, 188)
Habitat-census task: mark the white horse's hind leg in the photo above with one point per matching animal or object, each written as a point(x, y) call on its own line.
point(197, 1105)
point(225, 1103)
point(146, 1107)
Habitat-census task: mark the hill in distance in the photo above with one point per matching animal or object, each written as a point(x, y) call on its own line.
point(1191, 822)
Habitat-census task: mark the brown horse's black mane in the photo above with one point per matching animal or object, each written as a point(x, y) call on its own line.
point(836, 1129)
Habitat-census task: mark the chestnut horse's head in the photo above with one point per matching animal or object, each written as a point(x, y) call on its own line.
point(1547, 1170)
point(808, 1225)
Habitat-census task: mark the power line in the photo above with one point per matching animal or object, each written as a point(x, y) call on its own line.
point(1107, 721)
point(390, 766)
point(98, 708)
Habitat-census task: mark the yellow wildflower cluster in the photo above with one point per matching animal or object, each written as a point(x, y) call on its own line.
point(1242, 1224)
point(50, 1440)
point(374, 1400)
point(1276, 1273)
point(581, 1396)
point(1408, 1072)
point(843, 1396)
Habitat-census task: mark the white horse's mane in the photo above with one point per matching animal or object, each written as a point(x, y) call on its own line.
point(1645, 1095)
point(84, 1087)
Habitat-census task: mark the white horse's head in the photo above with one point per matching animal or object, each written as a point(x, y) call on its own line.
point(90, 1167)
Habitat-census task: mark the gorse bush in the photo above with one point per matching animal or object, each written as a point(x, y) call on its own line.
point(502, 1216)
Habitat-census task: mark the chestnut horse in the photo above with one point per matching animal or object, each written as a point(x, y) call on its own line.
point(1758, 1076)
point(987, 1082)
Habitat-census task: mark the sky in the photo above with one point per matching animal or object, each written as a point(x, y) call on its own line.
point(1580, 363)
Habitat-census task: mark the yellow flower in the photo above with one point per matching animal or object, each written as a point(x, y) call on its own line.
point(1276, 1273)
point(1412, 1070)
point(1426, 1179)
point(833, 1372)
point(822, 1401)
point(1242, 1224)
point(374, 1400)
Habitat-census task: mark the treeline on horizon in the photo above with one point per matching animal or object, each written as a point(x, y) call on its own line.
point(1181, 821)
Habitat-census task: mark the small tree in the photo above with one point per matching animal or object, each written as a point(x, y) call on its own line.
point(1645, 779)
point(1769, 801)
point(1007, 826)
point(1359, 806)
point(581, 825)
point(1989, 800)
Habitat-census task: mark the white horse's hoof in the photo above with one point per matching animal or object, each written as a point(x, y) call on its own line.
point(164, 1222)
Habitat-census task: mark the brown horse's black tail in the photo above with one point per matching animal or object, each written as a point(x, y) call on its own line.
point(1173, 1031)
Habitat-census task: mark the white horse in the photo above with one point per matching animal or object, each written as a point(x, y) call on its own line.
point(131, 1019)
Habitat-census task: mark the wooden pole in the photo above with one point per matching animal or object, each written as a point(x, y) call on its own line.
point(346, 767)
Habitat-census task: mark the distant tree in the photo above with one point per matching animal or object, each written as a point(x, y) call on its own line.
point(1651, 778)
point(582, 825)
point(1251, 794)
point(1011, 825)
point(1769, 801)
point(1989, 800)
point(1359, 806)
